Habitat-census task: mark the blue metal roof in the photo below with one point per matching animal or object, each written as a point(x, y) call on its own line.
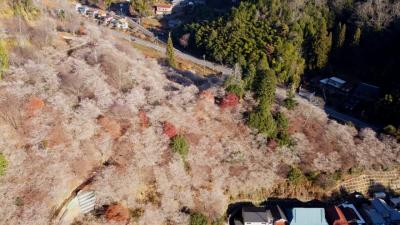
point(389, 214)
point(308, 216)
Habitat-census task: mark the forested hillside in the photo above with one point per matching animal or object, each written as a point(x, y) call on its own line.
point(82, 109)
point(294, 38)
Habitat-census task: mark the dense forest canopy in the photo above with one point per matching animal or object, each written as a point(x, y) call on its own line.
point(356, 39)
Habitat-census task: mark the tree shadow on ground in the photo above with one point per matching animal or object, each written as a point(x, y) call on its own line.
point(187, 78)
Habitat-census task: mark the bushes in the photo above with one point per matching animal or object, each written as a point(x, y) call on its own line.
point(219, 221)
point(290, 103)
point(180, 145)
point(136, 213)
point(234, 85)
point(236, 89)
point(3, 164)
point(275, 127)
point(24, 8)
point(391, 130)
point(263, 121)
point(230, 100)
point(198, 219)
point(295, 176)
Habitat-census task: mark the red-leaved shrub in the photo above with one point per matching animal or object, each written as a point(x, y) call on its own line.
point(230, 100)
point(117, 213)
point(169, 129)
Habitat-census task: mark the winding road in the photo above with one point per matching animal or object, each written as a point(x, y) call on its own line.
point(162, 48)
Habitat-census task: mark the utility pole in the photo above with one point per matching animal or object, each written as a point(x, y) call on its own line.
point(95, 54)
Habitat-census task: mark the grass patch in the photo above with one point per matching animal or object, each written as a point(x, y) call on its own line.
point(3, 164)
point(295, 176)
point(180, 145)
point(198, 219)
point(25, 8)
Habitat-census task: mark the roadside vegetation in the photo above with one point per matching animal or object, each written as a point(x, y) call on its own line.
point(3, 164)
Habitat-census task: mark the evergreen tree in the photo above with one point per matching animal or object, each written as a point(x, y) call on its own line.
point(356, 37)
point(266, 88)
point(262, 120)
point(321, 47)
point(249, 76)
point(170, 52)
point(341, 36)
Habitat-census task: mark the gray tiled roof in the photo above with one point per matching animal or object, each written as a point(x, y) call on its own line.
point(256, 214)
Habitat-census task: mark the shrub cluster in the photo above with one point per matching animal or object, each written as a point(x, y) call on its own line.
point(295, 176)
point(391, 130)
point(180, 145)
point(290, 103)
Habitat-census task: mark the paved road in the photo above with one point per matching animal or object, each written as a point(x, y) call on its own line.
point(346, 118)
point(161, 48)
point(332, 113)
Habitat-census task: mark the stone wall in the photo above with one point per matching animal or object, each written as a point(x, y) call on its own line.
point(373, 181)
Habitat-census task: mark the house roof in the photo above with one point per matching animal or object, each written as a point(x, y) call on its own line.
point(395, 201)
point(367, 91)
point(256, 214)
point(237, 222)
point(389, 214)
point(351, 213)
point(166, 6)
point(335, 216)
point(373, 215)
point(333, 81)
point(308, 216)
point(277, 213)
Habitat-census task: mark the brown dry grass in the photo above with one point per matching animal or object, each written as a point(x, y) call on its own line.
point(181, 63)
